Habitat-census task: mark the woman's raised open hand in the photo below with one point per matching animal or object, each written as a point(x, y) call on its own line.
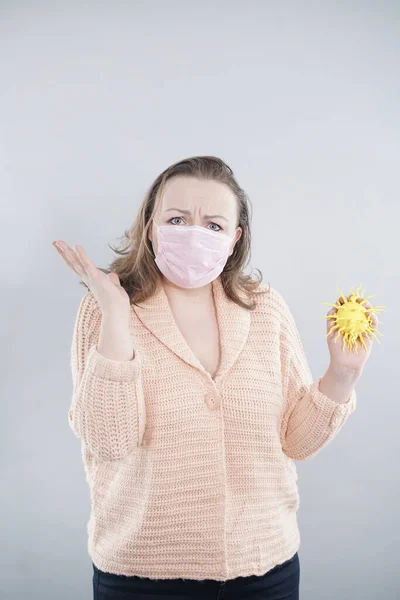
point(107, 289)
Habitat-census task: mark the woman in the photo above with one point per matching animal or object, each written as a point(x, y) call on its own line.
point(192, 398)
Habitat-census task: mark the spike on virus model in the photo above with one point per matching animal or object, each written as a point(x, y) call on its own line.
point(353, 320)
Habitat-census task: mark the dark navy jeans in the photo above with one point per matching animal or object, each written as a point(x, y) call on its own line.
point(280, 583)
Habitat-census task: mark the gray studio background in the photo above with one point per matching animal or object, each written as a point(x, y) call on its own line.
point(302, 100)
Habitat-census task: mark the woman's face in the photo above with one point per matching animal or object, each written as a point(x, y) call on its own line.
point(189, 201)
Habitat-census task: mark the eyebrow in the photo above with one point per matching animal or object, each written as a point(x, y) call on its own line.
point(187, 212)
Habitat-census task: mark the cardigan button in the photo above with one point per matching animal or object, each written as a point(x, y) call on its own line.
point(212, 400)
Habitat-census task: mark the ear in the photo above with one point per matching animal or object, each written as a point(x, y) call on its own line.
point(238, 235)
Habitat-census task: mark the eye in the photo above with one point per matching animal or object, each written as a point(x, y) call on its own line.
point(216, 224)
point(173, 219)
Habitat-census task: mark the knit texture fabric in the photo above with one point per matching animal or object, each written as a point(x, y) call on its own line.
point(193, 477)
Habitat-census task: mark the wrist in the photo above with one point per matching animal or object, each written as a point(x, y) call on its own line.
point(338, 383)
point(343, 374)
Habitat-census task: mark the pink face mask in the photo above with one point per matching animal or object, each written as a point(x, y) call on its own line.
point(191, 256)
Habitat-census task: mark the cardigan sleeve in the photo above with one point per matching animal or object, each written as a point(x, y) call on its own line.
point(310, 419)
point(107, 411)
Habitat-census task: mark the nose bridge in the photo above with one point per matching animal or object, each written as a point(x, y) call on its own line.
point(198, 213)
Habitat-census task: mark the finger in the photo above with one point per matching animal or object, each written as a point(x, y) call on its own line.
point(73, 258)
point(331, 322)
point(371, 315)
point(88, 264)
point(73, 255)
point(331, 314)
point(375, 320)
point(67, 259)
point(61, 253)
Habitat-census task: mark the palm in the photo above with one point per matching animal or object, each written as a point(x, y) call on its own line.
point(106, 287)
point(353, 360)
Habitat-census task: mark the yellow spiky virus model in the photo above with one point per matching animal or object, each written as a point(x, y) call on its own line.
point(353, 320)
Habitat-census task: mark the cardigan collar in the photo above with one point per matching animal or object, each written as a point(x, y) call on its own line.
point(233, 324)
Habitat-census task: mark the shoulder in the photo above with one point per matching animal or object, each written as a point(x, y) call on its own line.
point(270, 301)
point(272, 306)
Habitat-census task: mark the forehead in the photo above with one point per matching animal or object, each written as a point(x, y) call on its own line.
point(190, 193)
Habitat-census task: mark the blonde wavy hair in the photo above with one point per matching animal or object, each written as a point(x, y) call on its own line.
point(135, 266)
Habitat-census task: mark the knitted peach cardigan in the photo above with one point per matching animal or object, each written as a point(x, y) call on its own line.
point(193, 477)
